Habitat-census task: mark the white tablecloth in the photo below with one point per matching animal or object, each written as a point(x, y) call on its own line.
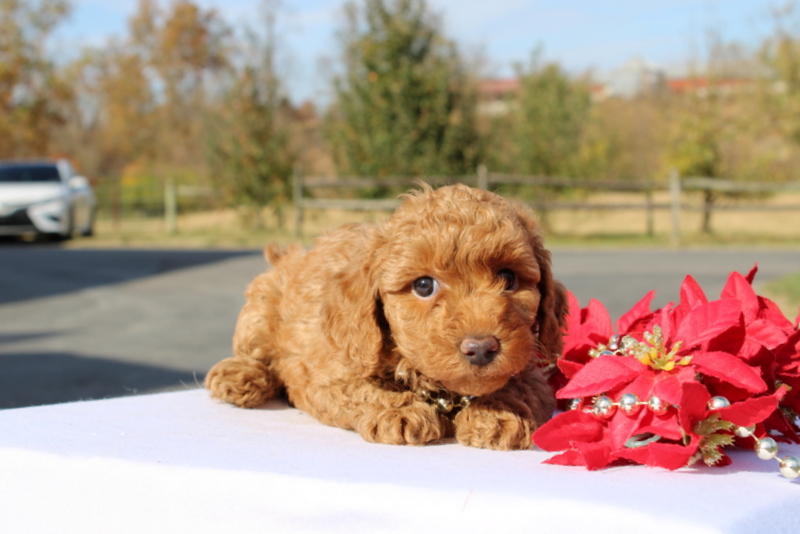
point(182, 462)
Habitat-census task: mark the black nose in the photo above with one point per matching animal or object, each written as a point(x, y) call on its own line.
point(480, 351)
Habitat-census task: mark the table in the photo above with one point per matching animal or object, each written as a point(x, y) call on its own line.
point(183, 462)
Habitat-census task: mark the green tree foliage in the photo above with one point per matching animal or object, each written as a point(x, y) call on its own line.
point(780, 57)
point(404, 104)
point(250, 138)
point(31, 90)
point(139, 118)
point(547, 130)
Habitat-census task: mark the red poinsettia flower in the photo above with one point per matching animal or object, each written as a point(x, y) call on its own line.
point(681, 356)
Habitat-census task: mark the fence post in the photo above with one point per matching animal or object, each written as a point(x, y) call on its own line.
point(675, 206)
point(116, 205)
point(649, 207)
point(171, 206)
point(483, 177)
point(297, 200)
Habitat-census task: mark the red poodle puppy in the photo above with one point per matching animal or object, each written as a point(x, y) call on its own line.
point(433, 324)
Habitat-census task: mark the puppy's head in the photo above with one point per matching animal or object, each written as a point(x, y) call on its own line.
point(466, 288)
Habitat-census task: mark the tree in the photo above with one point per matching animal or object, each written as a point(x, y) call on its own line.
point(181, 48)
point(142, 98)
point(31, 92)
point(703, 124)
point(552, 114)
point(404, 104)
point(250, 139)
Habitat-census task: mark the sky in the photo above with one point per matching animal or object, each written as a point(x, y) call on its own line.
point(581, 35)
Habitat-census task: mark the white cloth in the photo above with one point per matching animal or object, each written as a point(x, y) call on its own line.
point(182, 462)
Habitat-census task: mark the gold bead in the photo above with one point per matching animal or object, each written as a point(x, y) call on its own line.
point(444, 405)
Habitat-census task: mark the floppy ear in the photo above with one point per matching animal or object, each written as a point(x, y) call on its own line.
point(352, 314)
point(552, 312)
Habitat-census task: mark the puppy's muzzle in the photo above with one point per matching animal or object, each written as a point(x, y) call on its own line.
point(480, 351)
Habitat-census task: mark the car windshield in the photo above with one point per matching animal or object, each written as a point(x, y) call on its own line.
point(29, 173)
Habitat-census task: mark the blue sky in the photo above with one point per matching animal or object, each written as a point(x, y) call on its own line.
point(580, 34)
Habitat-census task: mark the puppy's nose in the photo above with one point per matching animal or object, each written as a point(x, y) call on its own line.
point(481, 351)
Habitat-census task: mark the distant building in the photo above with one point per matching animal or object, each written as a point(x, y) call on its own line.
point(495, 95)
point(635, 78)
point(701, 85)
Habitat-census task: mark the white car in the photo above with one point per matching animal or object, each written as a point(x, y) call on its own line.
point(46, 198)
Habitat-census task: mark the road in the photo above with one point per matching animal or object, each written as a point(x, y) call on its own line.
point(89, 324)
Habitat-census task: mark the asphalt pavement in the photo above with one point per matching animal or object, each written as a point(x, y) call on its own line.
point(91, 324)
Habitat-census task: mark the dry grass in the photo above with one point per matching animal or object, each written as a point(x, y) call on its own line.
point(579, 228)
point(728, 227)
point(595, 228)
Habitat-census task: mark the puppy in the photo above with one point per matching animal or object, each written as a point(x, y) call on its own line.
point(433, 324)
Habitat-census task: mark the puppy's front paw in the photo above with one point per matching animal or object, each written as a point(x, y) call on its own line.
point(493, 428)
point(415, 424)
point(245, 383)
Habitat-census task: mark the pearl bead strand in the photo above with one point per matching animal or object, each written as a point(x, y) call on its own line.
point(766, 448)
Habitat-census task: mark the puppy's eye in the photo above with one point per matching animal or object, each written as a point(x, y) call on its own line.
point(425, 287)
point(509, 279)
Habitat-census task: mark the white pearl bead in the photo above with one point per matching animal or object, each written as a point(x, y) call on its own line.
point(603, 407)
point(657, 406)
point(629, 404)
point(574, 404)
point(790, 467)
point(744, 431)
point(717, 403)
point(766, 448)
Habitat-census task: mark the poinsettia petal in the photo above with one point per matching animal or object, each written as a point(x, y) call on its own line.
point(665, 425)
point(569, 368)
point(751, 411)
point(730, 340)
point(777, 421)
point(639, 310)
point(598, 319)
point(786, 355)
point(669, 386)
point(667, 455)
point(692, 296)
point(708, 321)
point(595, 455)
point(693, 406)
point(769, 311)
point(621, 427)
point(562, 431)
point(570, 457)
point(766, 333)
point(600, 375)
point(729, 368)
point(738, 288)
point(750, 276)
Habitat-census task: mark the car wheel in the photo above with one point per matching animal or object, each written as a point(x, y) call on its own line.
point(89, 230)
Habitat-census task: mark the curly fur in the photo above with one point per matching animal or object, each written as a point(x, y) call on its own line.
point(339, 329)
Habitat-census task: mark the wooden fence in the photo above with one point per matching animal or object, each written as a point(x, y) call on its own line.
point(675, 185)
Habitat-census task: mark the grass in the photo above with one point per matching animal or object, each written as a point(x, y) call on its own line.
point(785, 292)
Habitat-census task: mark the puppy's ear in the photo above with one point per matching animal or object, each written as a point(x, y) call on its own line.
point(552, 313)
point(352, 311)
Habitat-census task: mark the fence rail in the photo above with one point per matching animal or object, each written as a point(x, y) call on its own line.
point(676, 186)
